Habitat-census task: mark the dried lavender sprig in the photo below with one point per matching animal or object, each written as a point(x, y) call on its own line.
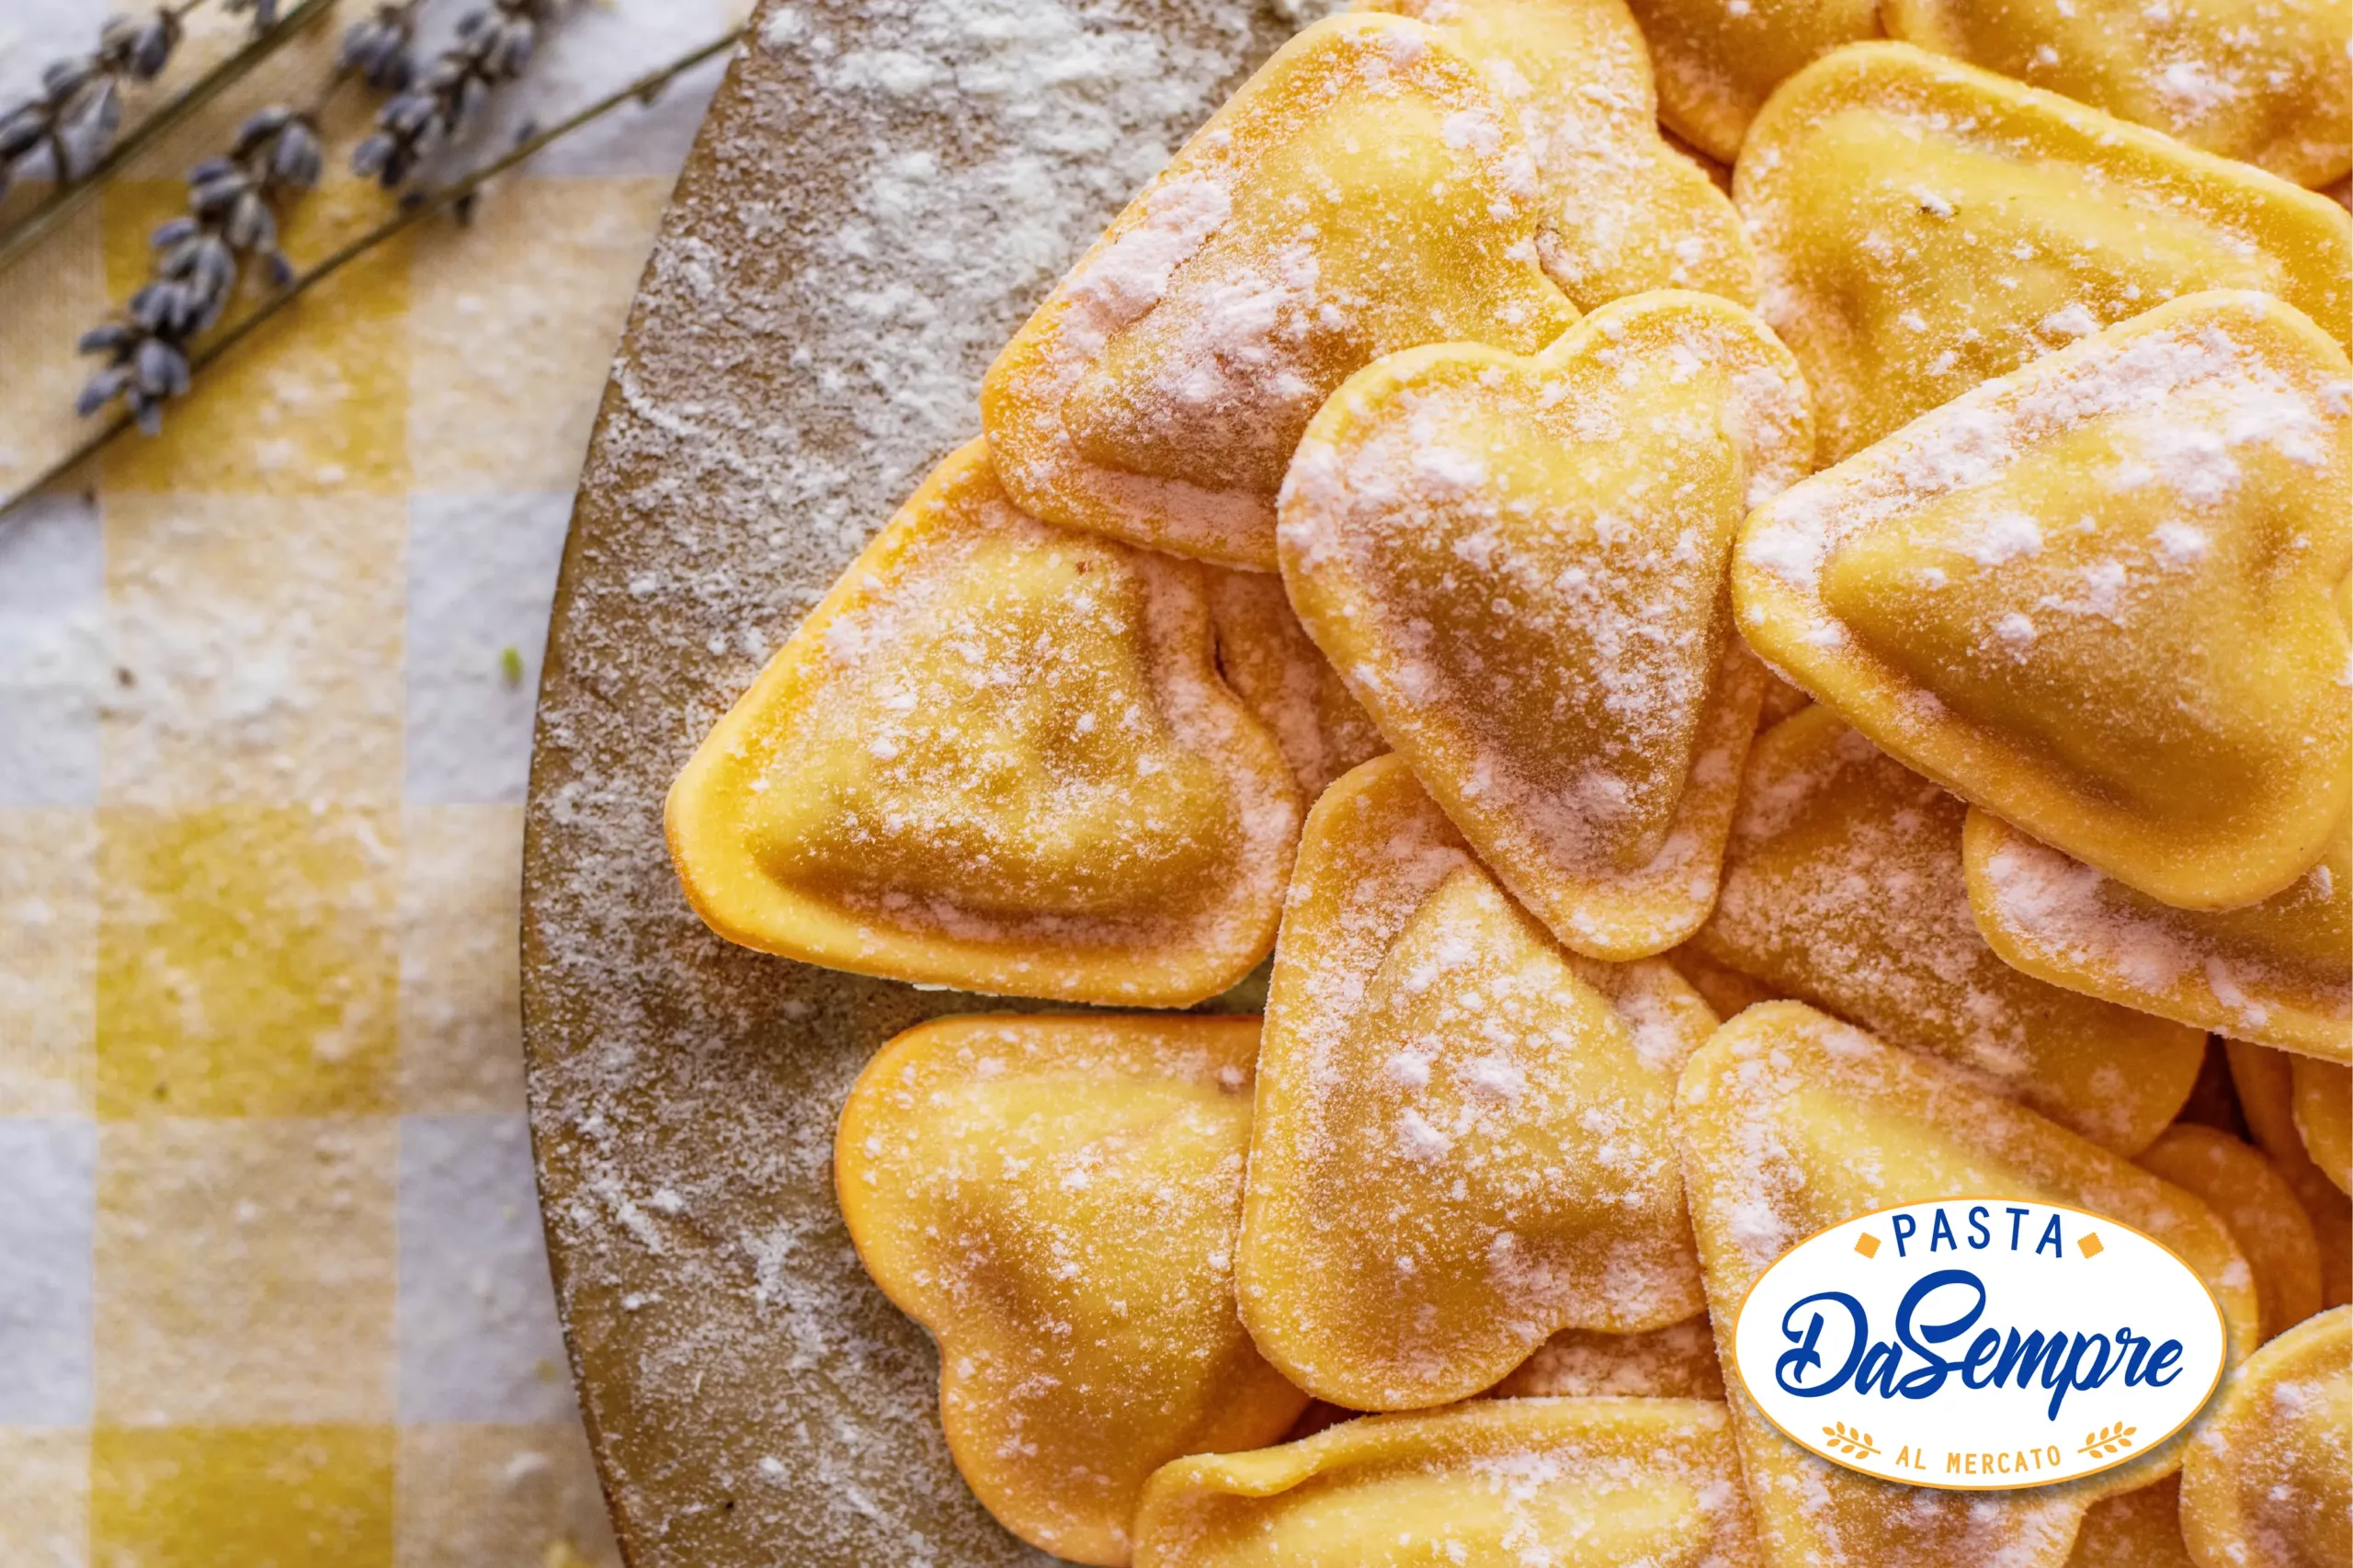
point(68, 195)
point(200, 257)
point(439, 199)
point(495, 46)
point(376, 49)
point(79, 105)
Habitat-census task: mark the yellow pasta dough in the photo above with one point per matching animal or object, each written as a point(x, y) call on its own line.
point(1791, 1122)
point(2261, 1211)
point(1517, 563)
point(1723, 988)
point(1922, 225)
point(2269, 1482)
point(2325, 1117)
point(997, 757)
point(1270, 663)
point(1626, 213)
point(2278, 972)
point(1056, 1199)
point(2136, 1530)
point(2265, 1083)
point(1719, 59)
point(1362, 193)
point(2098, 596)
point(1674, 1362)
point(1559, 1483)
point(2261, 80)
point(1843, 887)
point(1782, 699)
point(1464, 1135)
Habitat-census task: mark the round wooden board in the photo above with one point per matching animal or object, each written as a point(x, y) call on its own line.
point(883, 190)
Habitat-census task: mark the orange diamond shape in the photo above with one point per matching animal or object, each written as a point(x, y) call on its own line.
point(2091, 1245)
point(1868, 1245)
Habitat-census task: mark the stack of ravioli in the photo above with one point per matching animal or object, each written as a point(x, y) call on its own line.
point(1734, 699)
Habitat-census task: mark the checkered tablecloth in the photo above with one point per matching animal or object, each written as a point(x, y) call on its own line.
point(272, 1286)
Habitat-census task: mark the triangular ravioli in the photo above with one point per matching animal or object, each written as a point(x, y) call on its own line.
point(1561, 1482)
point(2261, 1211)
point(1519, 566)
point(1056, 1199)
point(1923, 225)
point(997, 757)
point(1791, 1122)
point(2255, 80)
point(1718, 61)
point(1268, 659)
point(2269, 1484)
point(1464, 1140)
point(2099, 598)
point(1362, 193)
point(2278, 972)
point(1843, 887)
point(1627, 213)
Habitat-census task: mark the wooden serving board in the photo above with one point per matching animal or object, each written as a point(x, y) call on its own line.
point(883, 190)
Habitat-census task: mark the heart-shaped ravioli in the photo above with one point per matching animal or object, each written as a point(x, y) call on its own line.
point(2278, 972)
point(1626, 213)
point(1674, 1362)
point(1464, 1138)
point(1519, 566)
point(2099, 598)
point(1719, 59)
point(997, 757)
point(2135, 1529)
point(2264, 1081)
point(1791, 1122)
point(1362, 193)
point(1843, 887)
point(1922, 226)
point(1266, 656)
point(1561, 1482)
point(2269, 1484)
point(2259, 1209)
point(2264, 81)
point(1056, 1199)
point(2325, 1117)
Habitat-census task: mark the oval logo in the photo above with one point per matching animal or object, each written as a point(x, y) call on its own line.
point(1979, 1343)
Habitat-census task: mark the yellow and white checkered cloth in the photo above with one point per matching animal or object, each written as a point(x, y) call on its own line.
point(272, 1288)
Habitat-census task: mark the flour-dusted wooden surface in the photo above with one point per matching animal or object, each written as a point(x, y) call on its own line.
point(882, 191)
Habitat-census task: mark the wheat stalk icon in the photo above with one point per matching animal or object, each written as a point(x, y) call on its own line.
point(2108, 1441)
point(1851, 1441)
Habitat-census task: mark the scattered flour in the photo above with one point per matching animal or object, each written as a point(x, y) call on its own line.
point(810, 337)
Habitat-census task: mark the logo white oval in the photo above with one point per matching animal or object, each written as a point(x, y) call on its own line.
point(1979, 1343)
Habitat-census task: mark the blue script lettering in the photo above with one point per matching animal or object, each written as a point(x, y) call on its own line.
point(1911, 1365)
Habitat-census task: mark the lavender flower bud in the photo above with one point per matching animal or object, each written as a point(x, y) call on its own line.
point(297, 160)
point(61, 78)
point(152, 364)
point(258, 127)
point(251, 224)
point(102, 389)
point(22, 126)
